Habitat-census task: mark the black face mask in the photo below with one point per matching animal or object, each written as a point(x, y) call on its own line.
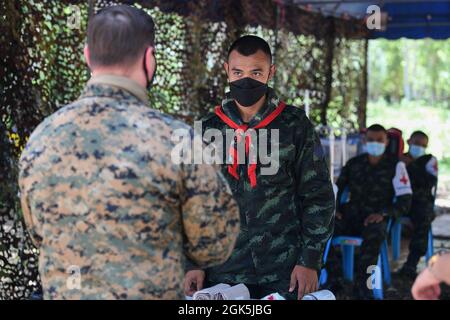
point(247, 91)
point(149, 82)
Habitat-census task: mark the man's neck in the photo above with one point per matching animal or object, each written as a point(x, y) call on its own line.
point(247, 113)
point(130, 74)
point(375, 160)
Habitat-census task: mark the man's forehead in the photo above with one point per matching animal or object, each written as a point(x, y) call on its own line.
point(418, 138)
point(376, 133)
point(258, 60)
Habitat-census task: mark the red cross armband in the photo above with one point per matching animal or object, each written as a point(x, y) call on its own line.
point(432, 166)
point(401, 182)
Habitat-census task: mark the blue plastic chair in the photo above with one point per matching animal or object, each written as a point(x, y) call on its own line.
point(348, 245)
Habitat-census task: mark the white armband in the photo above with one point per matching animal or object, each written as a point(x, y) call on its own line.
point(401, 182)
point(432, 166)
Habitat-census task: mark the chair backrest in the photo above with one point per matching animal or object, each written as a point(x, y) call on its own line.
point(344, 195)
point(396, 144)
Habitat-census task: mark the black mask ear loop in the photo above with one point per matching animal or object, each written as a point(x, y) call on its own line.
point(145, 70)
point(268, 77)
point(149, 82)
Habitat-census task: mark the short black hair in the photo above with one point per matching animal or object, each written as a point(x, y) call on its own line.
point(419, 133)
point(249, 44)
point(118, 35)
point(377, 128)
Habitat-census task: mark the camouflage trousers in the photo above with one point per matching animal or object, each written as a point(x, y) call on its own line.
point(373, 236)
point(421, 218)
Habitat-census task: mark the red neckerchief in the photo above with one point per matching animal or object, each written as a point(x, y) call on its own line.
point(239, 131)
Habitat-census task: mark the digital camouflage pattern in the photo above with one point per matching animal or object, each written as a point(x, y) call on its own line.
point(423, 173)
point(102, 197)
point(287, 218)
point(19, 277)
point(365, 189)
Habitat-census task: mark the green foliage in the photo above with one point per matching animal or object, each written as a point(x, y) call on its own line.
point(411, 69)
point(410, 116)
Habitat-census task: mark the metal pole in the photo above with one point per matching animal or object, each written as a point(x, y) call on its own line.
point(331, 137)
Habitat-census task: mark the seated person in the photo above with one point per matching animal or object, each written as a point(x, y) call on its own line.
point(422, 170)
point(372, 179)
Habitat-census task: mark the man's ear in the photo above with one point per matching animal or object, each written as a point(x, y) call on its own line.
point(150, 61)
point(87, 56)
point(226, 66)
point(273, 70)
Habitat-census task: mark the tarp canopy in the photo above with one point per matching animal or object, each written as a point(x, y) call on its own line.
point(414, 19)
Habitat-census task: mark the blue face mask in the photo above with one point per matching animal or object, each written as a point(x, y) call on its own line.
point(416, 151)
point(375, 149)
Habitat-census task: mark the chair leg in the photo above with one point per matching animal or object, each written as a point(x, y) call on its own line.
point(323, 273)
point(430, 249)
point(348, 252)
point(327, 250)
point(377, 281)
point(323, 277)
point(385, 263)
point(396, 237)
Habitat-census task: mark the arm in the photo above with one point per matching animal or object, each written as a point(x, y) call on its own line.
point(210, 215)
point(316, 198)
point(431, 175)
point(31, 222)
point(426, 286)
point(440, 267)
point(403, 192)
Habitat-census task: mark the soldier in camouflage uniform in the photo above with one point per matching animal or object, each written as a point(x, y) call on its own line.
point(423, 170)
point(286, 217)
point(113, 215)
point(369, 183)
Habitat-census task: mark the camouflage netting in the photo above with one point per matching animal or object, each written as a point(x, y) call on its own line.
point(321, 61)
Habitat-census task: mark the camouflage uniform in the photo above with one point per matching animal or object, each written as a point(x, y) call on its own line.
point(102, 197)
point(286, 218)
point(371, 189)
point(423, 174)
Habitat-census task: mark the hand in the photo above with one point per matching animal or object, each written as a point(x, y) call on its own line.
point(339, 215)
point(193, 282)
point(407, 160)
point(426, 286)
point(373, 218)
point(305, 279)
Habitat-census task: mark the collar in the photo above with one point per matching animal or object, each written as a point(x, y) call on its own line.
point(385, 159)
point(230, 109)
point(121, 82)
